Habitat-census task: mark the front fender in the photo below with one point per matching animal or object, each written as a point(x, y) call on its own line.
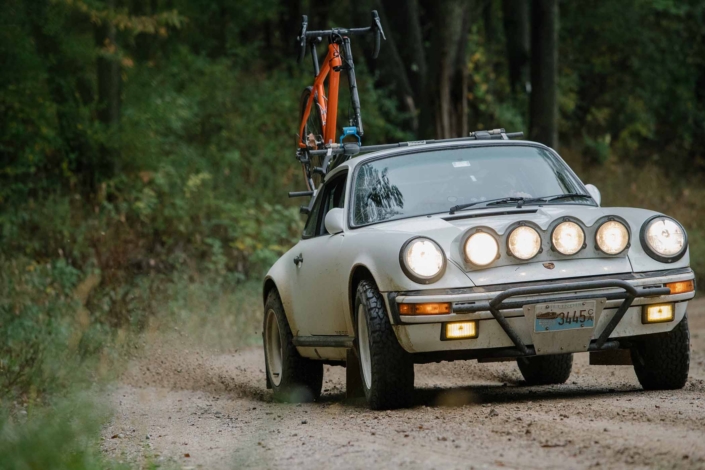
point(379, 253)
point(277, 277)
point(639, 259)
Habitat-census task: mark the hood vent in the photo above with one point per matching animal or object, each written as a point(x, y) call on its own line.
point(490, 214)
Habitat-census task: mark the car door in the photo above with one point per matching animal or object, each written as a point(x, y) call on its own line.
point(319, 282)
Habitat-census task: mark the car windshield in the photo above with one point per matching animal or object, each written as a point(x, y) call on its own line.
point(432, 182)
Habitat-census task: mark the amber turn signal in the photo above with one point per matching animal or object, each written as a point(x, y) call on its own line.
point(424, 309)
point(681, 287)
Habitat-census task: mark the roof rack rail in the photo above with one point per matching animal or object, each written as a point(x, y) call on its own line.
point(353, 148)
point(347, 150)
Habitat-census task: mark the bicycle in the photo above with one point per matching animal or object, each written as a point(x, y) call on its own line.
point(318, 129)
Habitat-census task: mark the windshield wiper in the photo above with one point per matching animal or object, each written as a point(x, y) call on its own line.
point(491, 202)
point(556, 197)
point(519, 200)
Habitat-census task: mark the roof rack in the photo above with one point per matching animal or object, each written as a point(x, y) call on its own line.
point(338, 153)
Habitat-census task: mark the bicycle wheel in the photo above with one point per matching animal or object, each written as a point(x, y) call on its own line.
point(313, 139)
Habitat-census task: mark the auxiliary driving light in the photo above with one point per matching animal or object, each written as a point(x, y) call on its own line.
point(524, 242)
point(612, 237)
point(460, 330)
point(425, 309)
point(481, 249)
point(657, 313)
point(681, 287)
point(568, 238)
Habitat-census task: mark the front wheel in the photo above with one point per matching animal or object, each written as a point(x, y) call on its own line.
point(661, 361)
point(312, 137)
point(387, 370)
point(546, 370)
point(292, 378)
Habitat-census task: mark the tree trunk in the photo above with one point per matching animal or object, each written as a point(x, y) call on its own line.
point(488, 20)
point(290, 23)
point(392, 71)
point(451, 22)
point(459, 95)
point(516, 31)
point(70, 91)
point(320, 14)
point(109, 77)
point(404, 19)
point(543, 109)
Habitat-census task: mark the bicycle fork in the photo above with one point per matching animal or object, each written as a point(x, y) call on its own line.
point(355, 98)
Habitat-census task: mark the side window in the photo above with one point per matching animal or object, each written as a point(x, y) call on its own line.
point(333, 197)
point(312, 222)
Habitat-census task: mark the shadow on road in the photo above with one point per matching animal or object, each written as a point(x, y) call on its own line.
point(490, 394)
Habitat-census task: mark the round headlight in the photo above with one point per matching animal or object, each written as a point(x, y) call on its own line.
point(612, 237)
point(664, 239)
point(481, 249)
point(422, 260)
point(568, 238)
point(524, 242)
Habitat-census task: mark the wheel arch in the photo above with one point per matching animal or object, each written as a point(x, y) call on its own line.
point(358, 273)
point(268, 286)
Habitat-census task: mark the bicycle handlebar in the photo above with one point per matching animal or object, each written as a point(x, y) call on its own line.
point(305, 35)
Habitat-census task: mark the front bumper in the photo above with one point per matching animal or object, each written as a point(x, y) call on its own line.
point(504, 331)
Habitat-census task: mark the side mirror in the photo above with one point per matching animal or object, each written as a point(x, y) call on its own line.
point(335, 221)
point(594, 192)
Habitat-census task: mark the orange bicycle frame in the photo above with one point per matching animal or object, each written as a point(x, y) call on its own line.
point(329, 107)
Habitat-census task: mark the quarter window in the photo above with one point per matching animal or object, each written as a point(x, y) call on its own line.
point(330, 196)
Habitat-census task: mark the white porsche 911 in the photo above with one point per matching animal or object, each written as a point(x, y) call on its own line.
point(473, 249)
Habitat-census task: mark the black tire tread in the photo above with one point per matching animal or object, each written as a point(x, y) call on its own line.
point(317, 160)
point(662, 361)
point(302, 378)
point(392, 367)
point(546, 370)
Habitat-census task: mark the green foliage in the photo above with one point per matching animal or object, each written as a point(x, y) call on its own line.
point(61, 437)
point(635, 70)
point(173, 212)
point(36, 312)
point(491, 102)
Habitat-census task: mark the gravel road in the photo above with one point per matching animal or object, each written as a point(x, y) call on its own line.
point(196, 409)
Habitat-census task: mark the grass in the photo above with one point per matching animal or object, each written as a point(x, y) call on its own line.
point(63, 435)
point(59, 427)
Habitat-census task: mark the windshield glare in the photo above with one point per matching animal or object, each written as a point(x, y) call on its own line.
point(431, 182)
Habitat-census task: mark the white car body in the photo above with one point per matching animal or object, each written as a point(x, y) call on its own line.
point(318, 293)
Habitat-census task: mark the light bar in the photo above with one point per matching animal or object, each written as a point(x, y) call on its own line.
point(459, 330)
point(657, 313)
point(425, 309)
point(681, 287)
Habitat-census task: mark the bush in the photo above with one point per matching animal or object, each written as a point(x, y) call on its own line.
point(37, 315)
point(63, 436)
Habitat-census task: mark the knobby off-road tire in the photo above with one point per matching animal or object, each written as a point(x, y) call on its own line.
point(314, 125)
point(388, 381)
point(661, 361)
point(300, 379)
point(546, 370)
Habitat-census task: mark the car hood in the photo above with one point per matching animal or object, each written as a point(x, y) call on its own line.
point(451, 231)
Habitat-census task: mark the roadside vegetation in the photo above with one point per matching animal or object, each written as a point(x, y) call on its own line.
point(146, 149)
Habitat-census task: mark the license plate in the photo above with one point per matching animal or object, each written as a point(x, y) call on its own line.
point(565, 316)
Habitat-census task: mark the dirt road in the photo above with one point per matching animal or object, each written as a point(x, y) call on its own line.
point(199, 410)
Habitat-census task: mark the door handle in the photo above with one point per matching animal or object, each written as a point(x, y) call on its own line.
point(298, 260)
